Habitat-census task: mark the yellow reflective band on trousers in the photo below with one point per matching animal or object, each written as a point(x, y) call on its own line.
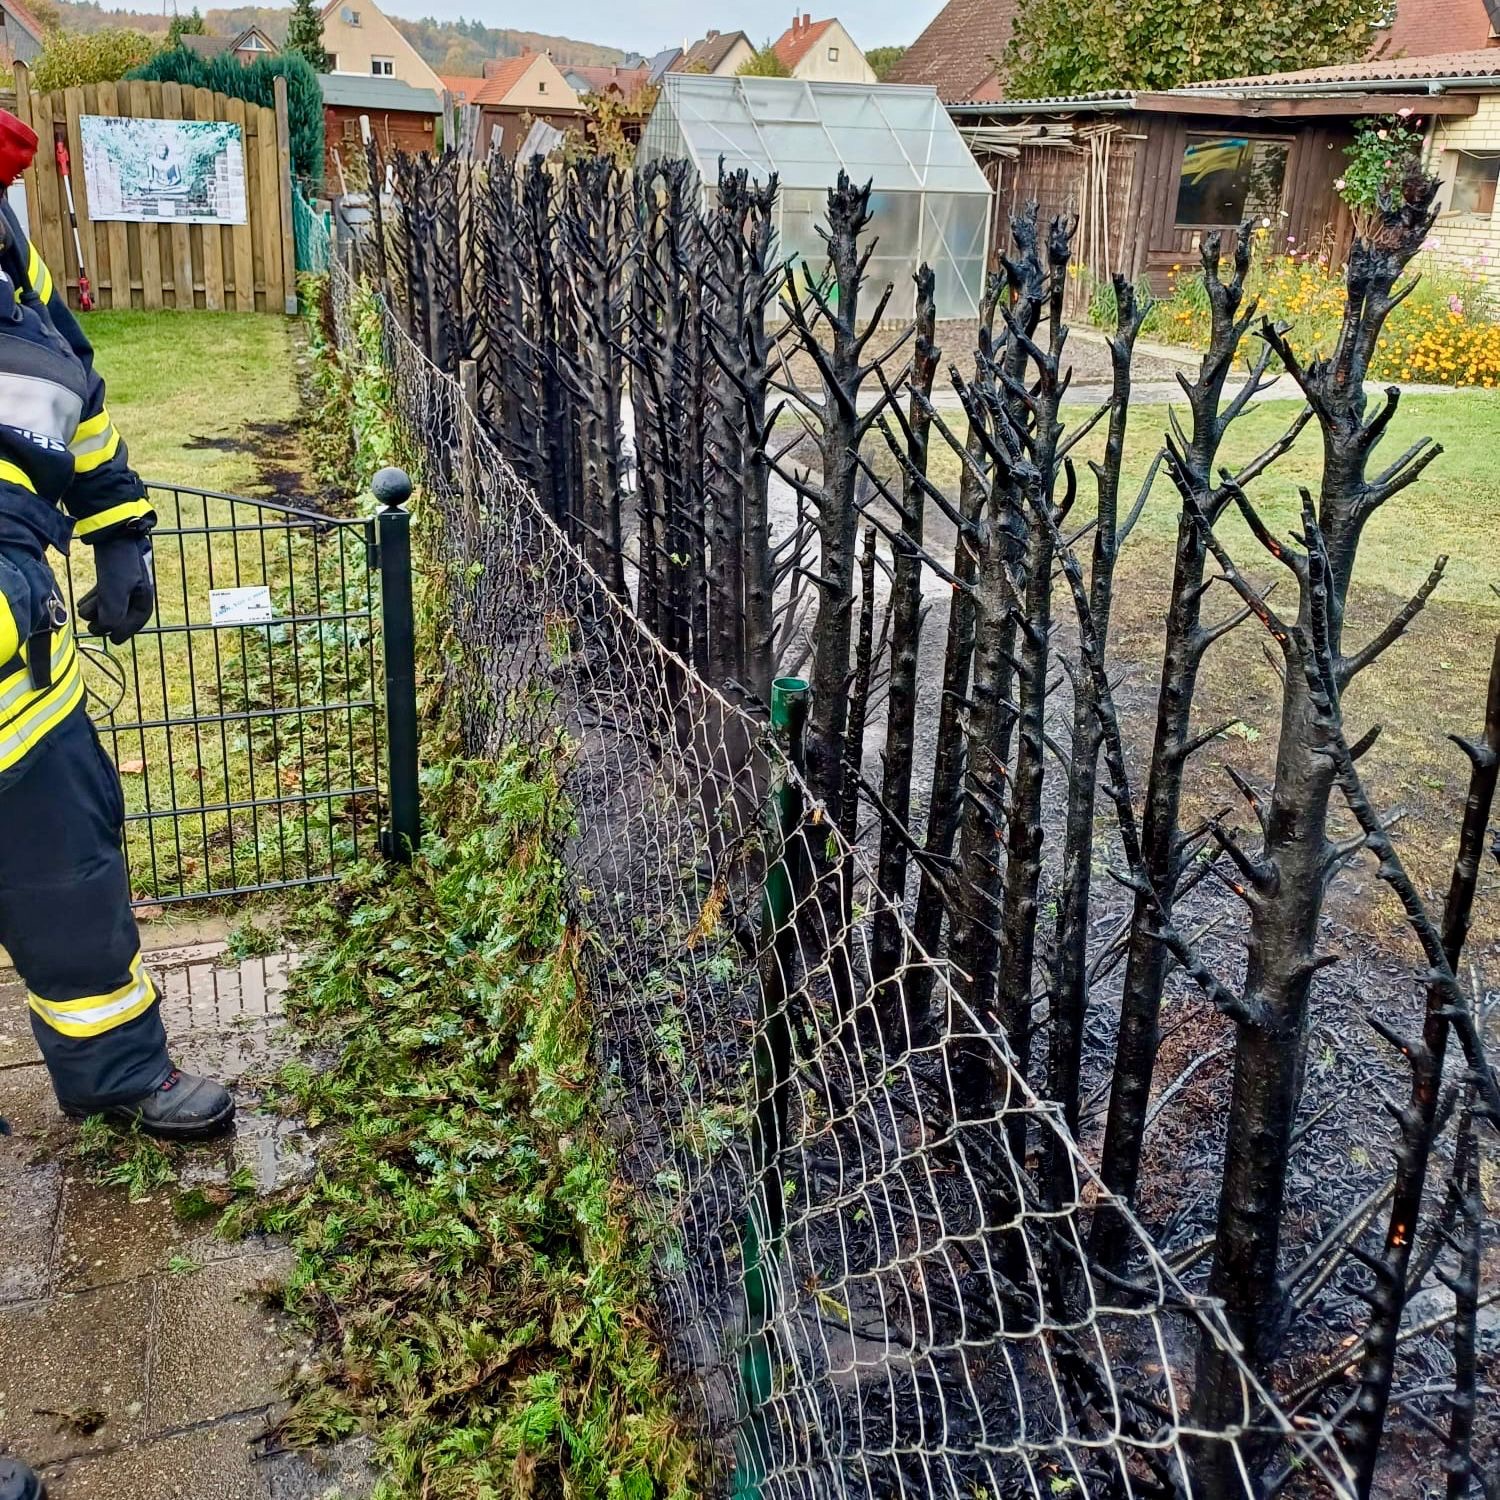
point(95, 1014)
point(27, 715)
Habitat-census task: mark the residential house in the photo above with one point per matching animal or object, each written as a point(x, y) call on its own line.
point(958, 51)
point(461, 88)
point(622, 82)
point(720, 54)
point(823, 50)
point(245, 46)
point(516, 92)
point(1422, 28)
point(362, 40)
point(20, 34)
point(1150, 173)
point(356, 106)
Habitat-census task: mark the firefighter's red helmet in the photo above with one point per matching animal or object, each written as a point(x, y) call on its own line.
point(17, 147)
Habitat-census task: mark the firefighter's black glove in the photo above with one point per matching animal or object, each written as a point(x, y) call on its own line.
point(124, 594)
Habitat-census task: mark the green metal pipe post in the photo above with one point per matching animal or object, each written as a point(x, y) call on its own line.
point(766, 1219)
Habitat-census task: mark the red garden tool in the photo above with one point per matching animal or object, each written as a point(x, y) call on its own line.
point(85, 295)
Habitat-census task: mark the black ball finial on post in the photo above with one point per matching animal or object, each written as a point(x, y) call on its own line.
point(392, 487)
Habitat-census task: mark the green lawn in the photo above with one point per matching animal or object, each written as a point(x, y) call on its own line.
point(175, 378)
point(1430, 685)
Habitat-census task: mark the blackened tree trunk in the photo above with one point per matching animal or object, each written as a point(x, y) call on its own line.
point(945, 798)
point(1286, 901)
point(1070, 1001)
point(1023, 841)
point(901, 707)
point(1187, 641)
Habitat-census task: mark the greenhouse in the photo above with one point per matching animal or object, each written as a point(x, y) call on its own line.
point(929, 201)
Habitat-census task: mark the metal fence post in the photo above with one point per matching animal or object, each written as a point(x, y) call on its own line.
point(401, 836)
point(765, 1221)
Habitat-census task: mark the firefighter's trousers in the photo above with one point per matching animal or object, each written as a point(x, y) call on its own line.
point(66, 922)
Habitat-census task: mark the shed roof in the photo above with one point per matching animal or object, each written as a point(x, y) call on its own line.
point(382, 95)
point(1475, 64)
point(954, 54)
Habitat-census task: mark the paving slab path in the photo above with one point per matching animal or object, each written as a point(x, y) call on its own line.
point(138, 1360)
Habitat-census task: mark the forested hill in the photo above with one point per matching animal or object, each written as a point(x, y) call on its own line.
point(449, 46)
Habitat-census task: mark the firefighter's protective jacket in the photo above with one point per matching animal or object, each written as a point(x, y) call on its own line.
point(65, 916)
point(64, 472)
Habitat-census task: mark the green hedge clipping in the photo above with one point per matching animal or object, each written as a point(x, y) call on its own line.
point(256, 83)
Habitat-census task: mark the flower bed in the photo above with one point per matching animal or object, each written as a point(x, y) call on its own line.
point(1445, 333)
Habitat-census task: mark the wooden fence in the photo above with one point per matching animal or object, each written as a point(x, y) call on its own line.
point(248, 267)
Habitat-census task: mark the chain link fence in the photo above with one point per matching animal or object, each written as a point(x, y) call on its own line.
point(861, 1285)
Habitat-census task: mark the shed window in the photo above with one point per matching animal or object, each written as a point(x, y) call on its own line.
point(1474, 179)
point(1227, 178)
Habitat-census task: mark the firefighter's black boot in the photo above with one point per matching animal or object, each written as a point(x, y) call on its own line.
point(17, 1482)
point(183, 1107)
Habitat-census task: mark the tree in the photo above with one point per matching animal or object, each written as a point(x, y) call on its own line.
point(763, 63)
point(304, 35)
point(883, 59)
point(1071, 47)
point(189, 25)
point(71, 59)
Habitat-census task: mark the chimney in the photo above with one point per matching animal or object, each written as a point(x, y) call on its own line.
point(807, 20)
point(712, 35)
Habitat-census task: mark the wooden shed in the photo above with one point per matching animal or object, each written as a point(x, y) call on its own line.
point(1148, 174)
point(400, 117)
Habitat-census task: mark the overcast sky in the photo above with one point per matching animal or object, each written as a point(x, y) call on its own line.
point(652, 24)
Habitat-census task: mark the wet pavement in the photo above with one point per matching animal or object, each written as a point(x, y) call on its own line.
point(139, 1356)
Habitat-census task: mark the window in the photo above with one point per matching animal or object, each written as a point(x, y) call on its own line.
point(1474, 179)
point(833, 54)
point(383, 67)
point(349, 16)
point(1226, 178)
point(541, 86)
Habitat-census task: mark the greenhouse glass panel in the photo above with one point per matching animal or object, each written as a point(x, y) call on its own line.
point(925, 186)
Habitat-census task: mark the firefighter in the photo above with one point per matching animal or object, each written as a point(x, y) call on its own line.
point(65, 915)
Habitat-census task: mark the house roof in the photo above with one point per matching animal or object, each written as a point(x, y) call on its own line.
point(660, 62)
point(1482, 64)
point(709, 52)
point(11, 10)
point(501, 76)
point(629, 81)
point(462, 86)
point(796, 41)
point(1423, 27)
point(214, 46)
point(378, 95)
point(955, 53)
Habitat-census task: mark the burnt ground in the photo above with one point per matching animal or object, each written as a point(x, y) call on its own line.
point(1344, 1148)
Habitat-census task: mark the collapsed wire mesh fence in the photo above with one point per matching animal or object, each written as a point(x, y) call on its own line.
point(862, 1287)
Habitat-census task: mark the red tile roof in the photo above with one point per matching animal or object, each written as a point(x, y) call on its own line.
point(1424, 27)
point(794, 43)
point(462, 87)
point(629, 81)
point(955, 54)
point(1484, 63)
point(501, 76)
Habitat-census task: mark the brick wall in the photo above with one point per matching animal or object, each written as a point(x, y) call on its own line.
point(1465, 237)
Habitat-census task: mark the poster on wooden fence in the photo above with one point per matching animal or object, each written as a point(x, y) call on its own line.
point(164, 171)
